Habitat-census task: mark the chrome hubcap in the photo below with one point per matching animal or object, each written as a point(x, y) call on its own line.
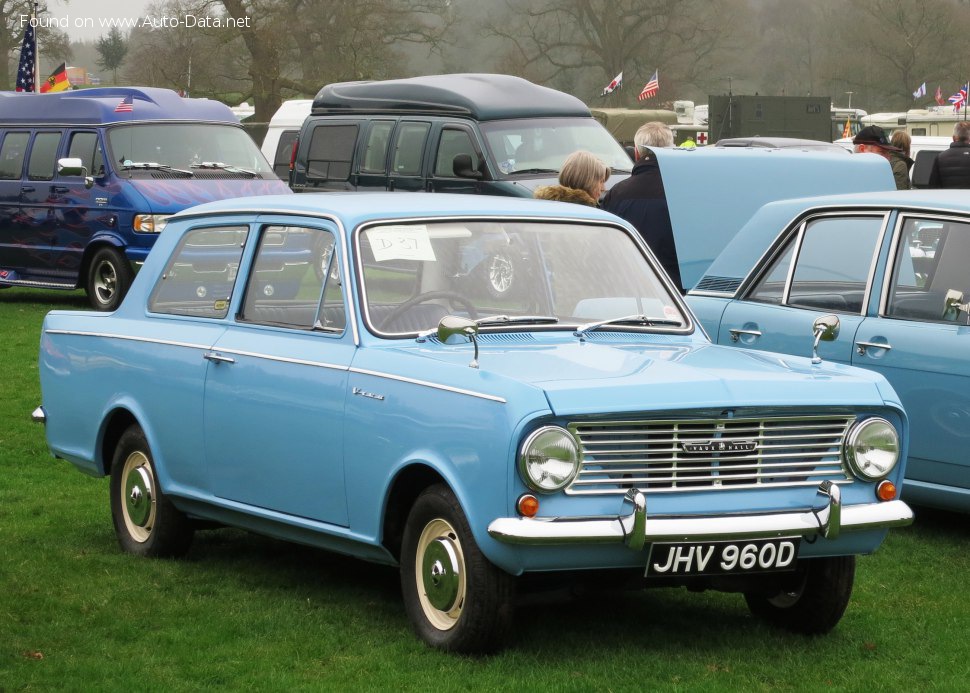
point(138, 496)
point(440, 574)
point(105, 280)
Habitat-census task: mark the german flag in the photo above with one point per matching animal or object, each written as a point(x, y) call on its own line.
point(57, 81)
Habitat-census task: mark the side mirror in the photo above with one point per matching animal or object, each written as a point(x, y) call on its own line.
point(454, 326)
point(825, 329)
point(462, 166)
point(74, 167)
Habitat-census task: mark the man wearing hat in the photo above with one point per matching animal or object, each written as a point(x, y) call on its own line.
point(872, 139)
point(951, 168)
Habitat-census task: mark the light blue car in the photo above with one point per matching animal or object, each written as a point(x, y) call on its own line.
point(330, 370)
point(895, 269)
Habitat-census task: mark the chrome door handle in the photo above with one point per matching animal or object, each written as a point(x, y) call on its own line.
point(736, 333)
point(862, 346)
point(216, 357)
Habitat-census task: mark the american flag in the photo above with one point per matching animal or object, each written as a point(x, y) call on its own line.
point(651, 88)
point(126, 105)
point(28, 50)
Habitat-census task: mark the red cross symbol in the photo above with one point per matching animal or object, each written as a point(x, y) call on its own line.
point(701, 138)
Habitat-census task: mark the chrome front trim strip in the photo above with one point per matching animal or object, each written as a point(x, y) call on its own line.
point(425, 383)
point(637, 528)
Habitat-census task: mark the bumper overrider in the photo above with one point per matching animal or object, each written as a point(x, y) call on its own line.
point(637, 528)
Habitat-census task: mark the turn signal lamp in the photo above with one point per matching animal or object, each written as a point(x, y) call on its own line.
point(150, 223)
point(528, 505)
point(886, 490)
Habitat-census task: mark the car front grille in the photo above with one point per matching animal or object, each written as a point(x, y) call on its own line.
point(709, 454)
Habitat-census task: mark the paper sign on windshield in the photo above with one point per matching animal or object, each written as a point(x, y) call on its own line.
point(401, 243)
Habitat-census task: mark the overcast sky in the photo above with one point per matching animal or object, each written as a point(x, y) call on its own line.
point(87, 20)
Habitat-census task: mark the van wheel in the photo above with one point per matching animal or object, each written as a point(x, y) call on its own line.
point(145, 521)
point(813, 601)
point(455, 598)
point(109, 277)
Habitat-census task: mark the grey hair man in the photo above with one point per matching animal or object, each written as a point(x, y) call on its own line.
point(652, 134)
point(951, 169)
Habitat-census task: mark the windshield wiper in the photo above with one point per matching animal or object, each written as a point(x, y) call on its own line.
point(534, 170)
point(628, 319)
point(518, 320)
point(153, 166)
point(225, 167)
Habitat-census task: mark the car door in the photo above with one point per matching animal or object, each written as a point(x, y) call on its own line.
point(39, 201)
point(456, 141)
point(78, 213)
point(373, 164)
point(407, 156)
point(825, 267)
point(921, 343)
point(16, 241)
point(277, 379)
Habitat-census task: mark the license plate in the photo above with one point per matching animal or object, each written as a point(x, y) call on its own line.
point(722, 557)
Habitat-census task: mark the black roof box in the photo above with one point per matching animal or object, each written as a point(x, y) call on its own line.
point(477, 96)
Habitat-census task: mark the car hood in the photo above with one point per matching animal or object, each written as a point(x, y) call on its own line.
point(594, 377)
point(168, 196)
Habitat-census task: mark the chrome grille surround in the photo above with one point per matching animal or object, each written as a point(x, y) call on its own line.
point(710, 454)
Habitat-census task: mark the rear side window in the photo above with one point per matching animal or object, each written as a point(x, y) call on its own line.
point(331, 151)
point(200, 276)
point(284, 148)
point(375, 154)
point(409, 150)
point(12, 155)
point(42, 153)
point(85, 146)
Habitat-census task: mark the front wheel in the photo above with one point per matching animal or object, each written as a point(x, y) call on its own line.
point(109, 276)
point(813, 601)
point(146, 522)
point(455, 598)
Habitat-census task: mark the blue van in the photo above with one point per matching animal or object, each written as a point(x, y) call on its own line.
point(88, 179)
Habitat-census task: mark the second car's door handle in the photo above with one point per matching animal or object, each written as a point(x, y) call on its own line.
point(217, 357)
point(862, 346)
point(736, 333)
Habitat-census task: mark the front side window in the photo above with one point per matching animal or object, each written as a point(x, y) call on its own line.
point(531, 274)
point(451, 144)
point(199, 278)
point(42, 153)
point(931, 279)
point(295, 281)
point(85, 146)
point(193, 150)
point(831, 268)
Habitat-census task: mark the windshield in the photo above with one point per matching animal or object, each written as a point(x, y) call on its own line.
point(509, 275)
point(540, 145)
point(206, 150)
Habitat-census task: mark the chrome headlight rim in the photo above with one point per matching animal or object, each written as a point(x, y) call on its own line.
point(546, 485)
point(861, 436)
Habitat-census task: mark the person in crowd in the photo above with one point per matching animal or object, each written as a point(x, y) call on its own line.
point(872, 139)
point(901, 140)
point(642, 201)
point(582, 180)
point(951, 169)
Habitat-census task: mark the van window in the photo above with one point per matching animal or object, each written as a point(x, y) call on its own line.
point(453, 142)
point(84, 146)
point(331, 151)
point(12, 155)
point(41, 165)
point(376, 152)
point(410, 148)
point(284, 151)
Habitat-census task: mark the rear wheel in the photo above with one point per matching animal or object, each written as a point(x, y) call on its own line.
point(145, 521)
point(108, 280)
point(813, 601)
point(455, 598)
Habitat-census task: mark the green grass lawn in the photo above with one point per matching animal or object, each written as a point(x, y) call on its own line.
point(246, 612)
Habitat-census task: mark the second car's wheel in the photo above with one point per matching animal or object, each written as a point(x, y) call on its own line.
point(455, 598)
point(813, 601)
point(146, 522)
point(109, 276)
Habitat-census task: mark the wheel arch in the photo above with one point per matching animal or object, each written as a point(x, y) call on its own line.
point(403, 492)
point(91, 249)
point(115, 424)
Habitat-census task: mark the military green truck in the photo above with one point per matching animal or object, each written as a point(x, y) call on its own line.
point(803, 117)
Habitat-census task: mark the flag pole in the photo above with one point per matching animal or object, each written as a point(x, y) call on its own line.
point(36, 50)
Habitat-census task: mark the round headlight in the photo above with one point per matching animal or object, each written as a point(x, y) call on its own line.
point(549, 459)
point(872, 448)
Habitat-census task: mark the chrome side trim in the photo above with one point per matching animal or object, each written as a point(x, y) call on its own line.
point(637, 528)
point(129, 338)
point(425, 383)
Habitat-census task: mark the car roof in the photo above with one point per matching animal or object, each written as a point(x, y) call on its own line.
point(99, 106)
point(747, 247)
point(355, 208)
point(478, 96)
point(713, 191)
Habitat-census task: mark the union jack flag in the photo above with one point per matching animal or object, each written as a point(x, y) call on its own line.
point(651, 88)
point(960, 98)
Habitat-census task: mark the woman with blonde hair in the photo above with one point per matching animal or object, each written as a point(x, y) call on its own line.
point(582, 180)
point(900, 160)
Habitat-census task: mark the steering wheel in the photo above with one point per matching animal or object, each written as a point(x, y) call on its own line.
point(424, 298)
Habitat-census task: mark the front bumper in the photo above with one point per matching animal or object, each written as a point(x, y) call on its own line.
point(637, 529)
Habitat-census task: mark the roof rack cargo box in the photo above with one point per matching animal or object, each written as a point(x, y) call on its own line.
point(476, 96)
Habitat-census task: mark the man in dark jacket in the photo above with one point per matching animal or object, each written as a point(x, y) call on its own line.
point(951, 168)
point(641, 200)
